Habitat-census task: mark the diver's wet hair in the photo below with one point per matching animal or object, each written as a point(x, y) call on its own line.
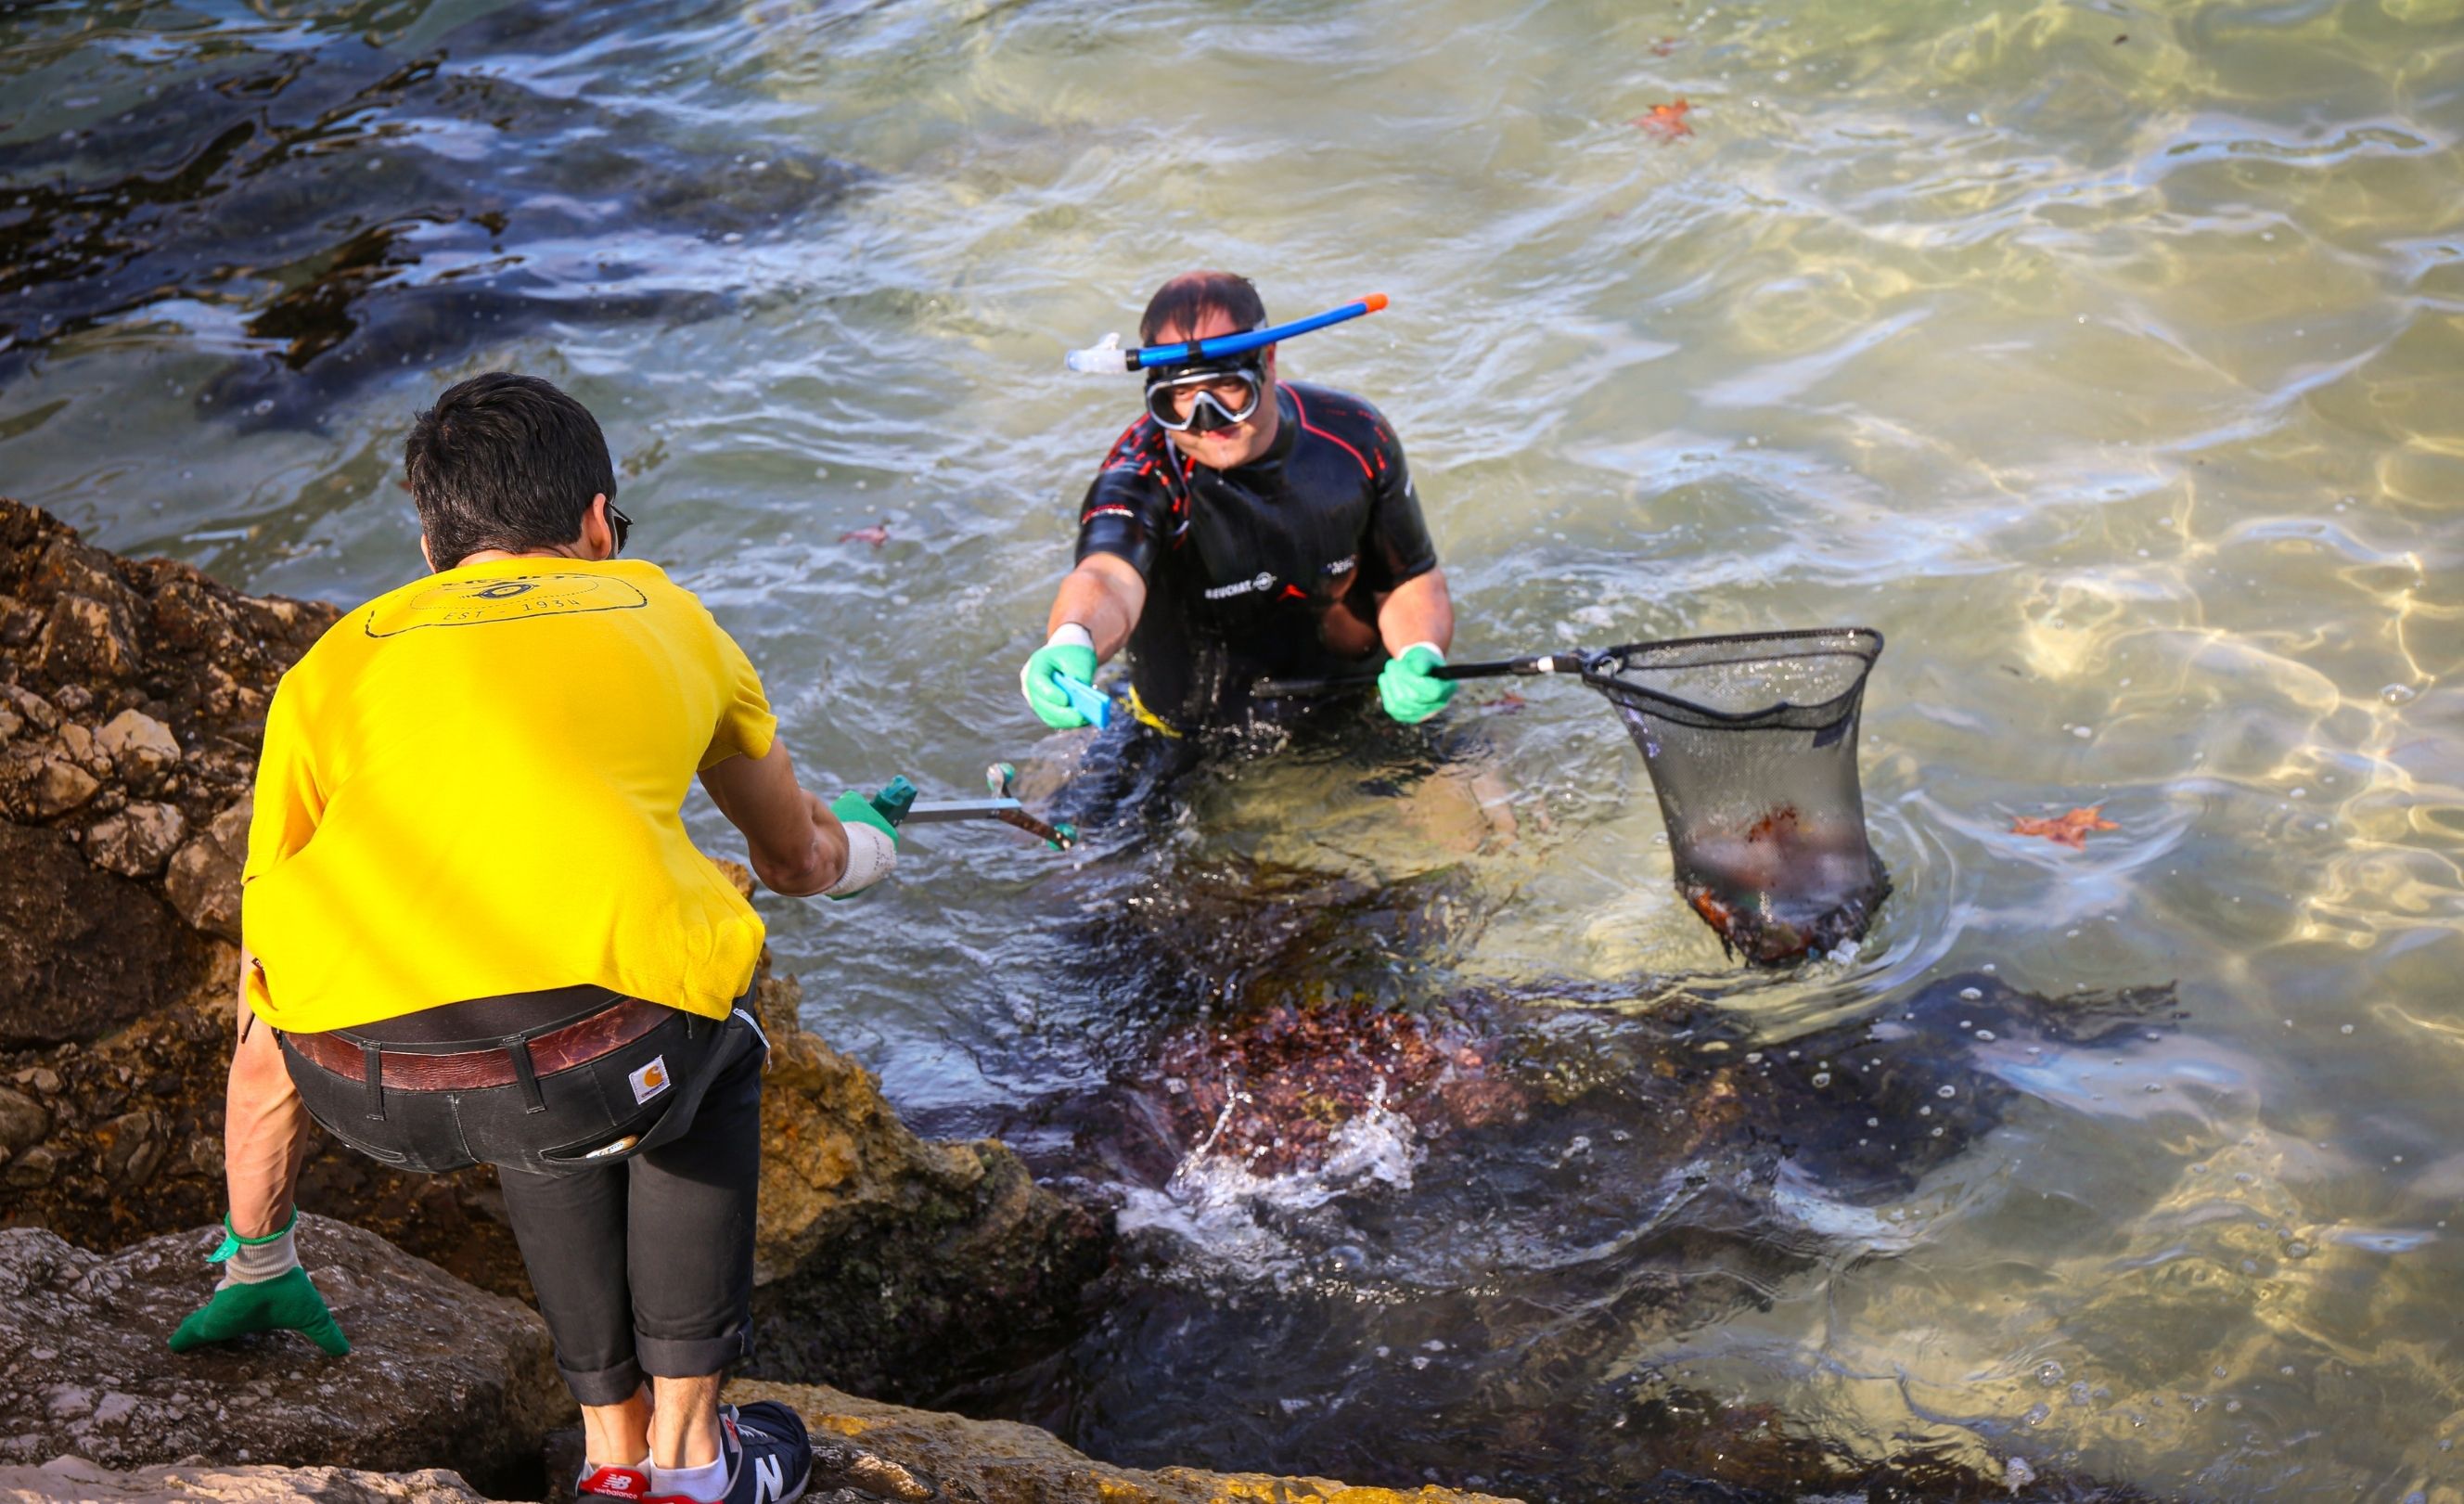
point(1189, 297)
point(504, 461)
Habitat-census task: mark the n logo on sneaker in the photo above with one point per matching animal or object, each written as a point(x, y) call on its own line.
point(769, 1480)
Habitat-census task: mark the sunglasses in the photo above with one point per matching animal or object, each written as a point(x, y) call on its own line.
point(621, 523)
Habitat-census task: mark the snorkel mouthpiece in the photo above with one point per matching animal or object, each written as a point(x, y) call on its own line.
point(1105, 359)
point(1110, 359)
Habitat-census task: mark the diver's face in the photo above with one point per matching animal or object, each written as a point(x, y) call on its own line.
point(1225, 448)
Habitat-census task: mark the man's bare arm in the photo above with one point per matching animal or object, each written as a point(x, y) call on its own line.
point(1418, 610)
point(798, 847)
point(264, 1125)
point(1104, 595)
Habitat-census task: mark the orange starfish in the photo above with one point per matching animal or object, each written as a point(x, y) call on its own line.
point(1667, 122)
point(2070, 829)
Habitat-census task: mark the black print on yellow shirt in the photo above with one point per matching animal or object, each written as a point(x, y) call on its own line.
point(509, 598)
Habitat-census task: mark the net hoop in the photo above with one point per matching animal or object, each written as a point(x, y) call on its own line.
point(1604, 670)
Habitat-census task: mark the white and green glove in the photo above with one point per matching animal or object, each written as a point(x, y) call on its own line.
point(263, 1290)
point(1071, 654)
point(872, 845)
point(1405, 688)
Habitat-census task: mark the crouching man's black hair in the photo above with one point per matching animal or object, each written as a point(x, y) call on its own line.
point(504, 461)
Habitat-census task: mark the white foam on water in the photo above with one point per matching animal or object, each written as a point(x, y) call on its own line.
point(1212, 1199)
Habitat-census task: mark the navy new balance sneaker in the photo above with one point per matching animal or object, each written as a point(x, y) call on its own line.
point(771, 1457)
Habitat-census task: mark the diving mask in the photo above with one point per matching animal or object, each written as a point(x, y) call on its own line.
point(1201, 399)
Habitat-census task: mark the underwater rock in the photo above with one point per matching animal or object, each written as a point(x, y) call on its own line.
point(439, 1374)
point(1276, 1091)
point(307, 193)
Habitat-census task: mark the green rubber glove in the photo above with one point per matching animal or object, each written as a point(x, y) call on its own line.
point(1406, 690)
point(1046, 698)
point(285, 1303)
point(870, 858)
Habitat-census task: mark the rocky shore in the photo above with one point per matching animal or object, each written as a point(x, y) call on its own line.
point(132, 702)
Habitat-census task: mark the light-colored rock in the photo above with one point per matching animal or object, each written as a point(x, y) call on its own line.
point(32, 708)
point(23, 1121)
point(136, 841)
point(887, 1451)
point(439, 1374)
point(140, 748)
point(58, 787)
point(79, 744)
point(75, 1478)
point(202, 882)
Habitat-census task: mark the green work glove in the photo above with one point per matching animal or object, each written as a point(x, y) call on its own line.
point(1071, 654)
point(1405, 688)
point(872, 845)
point(263, 1290)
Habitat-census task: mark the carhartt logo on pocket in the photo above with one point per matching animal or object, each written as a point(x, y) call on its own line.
point(650, 1081)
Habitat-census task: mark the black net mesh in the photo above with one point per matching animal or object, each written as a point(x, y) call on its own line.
point(1751, 743)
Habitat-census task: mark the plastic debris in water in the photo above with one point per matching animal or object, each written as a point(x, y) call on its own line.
point(1666, 121)
point(2067, 829)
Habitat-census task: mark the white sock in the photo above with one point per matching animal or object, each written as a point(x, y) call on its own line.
point(589, 1467)
point(708, 1484)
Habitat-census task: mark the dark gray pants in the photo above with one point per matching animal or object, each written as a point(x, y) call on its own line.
point(643, 1260)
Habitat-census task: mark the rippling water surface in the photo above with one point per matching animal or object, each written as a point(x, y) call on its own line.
point(2103, 355)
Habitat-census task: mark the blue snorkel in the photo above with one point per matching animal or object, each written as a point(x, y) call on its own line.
point(1109, 359)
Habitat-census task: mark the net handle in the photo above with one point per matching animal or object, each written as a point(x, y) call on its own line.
point(1489, 669)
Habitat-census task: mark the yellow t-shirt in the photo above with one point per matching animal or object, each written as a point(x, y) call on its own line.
point(474, 784)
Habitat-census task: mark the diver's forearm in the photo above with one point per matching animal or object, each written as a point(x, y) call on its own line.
point(1096, 597)
point(1418, 610)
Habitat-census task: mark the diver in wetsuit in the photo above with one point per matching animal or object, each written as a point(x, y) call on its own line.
point(1246, 528)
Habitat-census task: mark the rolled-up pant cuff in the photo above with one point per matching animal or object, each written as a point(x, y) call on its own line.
point(603, 1386)
point(692, 1357)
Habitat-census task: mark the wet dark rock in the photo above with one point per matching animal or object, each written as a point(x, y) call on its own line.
point(891, 1263)
point(1505, 1267)
point(439, 1374)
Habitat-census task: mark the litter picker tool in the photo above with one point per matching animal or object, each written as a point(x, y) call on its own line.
point(899, 804)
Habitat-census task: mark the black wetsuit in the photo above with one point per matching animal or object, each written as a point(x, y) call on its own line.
point(1273, 569)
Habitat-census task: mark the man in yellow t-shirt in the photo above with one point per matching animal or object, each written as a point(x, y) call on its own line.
point(477, 932)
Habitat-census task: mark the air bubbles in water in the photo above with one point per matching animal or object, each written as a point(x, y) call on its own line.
point(2398, 693)
point(2048, 1373)
point(1971, 994)
point(1945, 1091)
point(2037, 1415)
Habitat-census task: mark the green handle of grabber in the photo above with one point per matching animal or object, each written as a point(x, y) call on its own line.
point(1092, 705)
point(895, 798)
